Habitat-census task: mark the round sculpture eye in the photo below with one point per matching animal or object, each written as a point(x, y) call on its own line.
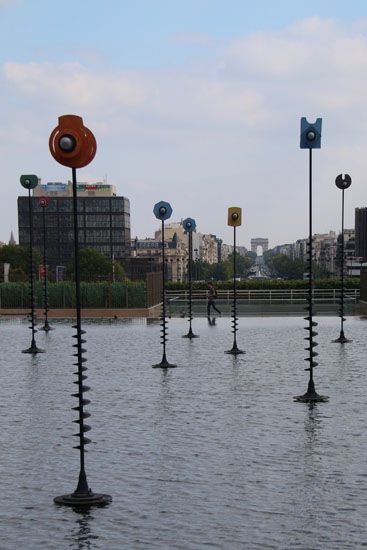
point(67, 143)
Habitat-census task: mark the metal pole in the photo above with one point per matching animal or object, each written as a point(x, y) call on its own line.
point(342, 183)
point(46, 327)
point(164, 363)
point(82, 487)
point(310, 396)
point(311, 324)
point(342, 274)
point(33, 348)
point(190, 334)
point(235, 350)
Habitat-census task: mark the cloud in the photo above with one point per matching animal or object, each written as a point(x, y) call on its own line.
point(71, 83)
point(227, 125)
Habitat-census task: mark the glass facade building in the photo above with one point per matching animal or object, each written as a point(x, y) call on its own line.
point(104, 224)
point(361, 232)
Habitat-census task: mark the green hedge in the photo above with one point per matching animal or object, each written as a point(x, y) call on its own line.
point(270, 284)
point(62, 295)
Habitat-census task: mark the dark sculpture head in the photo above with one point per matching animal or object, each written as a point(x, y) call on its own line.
point(29, 181)
point(343, 182)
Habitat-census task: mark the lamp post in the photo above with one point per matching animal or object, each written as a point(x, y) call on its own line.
point(163, 211)
point(73, 145)
point(342, 183)
point(44, 202)
point(189, 226)
point(30, 182)
point(310, 139)
point(234, 220)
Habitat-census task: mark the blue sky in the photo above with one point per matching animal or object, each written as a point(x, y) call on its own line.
point(197, 103)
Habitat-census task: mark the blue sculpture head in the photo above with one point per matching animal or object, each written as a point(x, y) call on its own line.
point(162, 210)
point(189, 225)
point(310, 134)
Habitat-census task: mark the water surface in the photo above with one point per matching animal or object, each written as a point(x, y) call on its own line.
point(212, 454)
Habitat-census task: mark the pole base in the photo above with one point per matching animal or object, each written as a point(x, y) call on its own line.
point(190, 335)
point(33, 349)
point(164, 365)
point(46, 328)
point(311, 398)
point(235, 350)
point(342, 340)
point(83, 500)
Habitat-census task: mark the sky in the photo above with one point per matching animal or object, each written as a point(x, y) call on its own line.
point(195, 102)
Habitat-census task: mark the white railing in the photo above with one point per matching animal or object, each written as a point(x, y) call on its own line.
point(293, 296)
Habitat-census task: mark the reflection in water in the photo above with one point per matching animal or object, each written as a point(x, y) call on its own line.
point(81, 535)
point(313, 470)
point(312, 421)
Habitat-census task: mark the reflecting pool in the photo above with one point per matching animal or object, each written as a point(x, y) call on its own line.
point(212, 454)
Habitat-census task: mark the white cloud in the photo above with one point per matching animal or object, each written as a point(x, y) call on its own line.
point(229, 127)
point(71, 83)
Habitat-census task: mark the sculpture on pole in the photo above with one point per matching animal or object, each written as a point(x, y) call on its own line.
point(44, 202)
point(189, 226)
point(163, 211)
point(30, 182)
point(342, 183)
point(234, 220)
point(310, 139)
point(73, 145)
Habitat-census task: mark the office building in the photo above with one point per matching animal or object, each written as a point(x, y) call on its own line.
point(103, 219)
point(361, 232)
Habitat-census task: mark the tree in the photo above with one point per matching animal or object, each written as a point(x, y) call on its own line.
point(18, 258)
point(95, 266)
point(251, 255)
point(282, 266)
point(243, 263)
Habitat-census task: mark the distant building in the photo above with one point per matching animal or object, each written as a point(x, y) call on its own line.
point(361, 232)
point(146, 257)
point(286, 249)
point(12, 240)
point(103, 217)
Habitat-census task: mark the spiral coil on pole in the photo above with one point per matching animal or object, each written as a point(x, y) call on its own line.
point(311, 323)
point(164, 363)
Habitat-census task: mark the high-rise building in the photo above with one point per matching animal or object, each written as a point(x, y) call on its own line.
point(361, 232)
point(103, 219)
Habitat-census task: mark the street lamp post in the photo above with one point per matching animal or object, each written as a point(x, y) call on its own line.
point(342, 183)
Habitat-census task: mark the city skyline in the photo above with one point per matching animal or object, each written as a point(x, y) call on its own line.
point(198, 104)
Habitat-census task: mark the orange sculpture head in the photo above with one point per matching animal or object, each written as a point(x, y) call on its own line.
point(71, 143)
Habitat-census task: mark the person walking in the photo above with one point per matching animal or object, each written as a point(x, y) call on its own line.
point(212, 295)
